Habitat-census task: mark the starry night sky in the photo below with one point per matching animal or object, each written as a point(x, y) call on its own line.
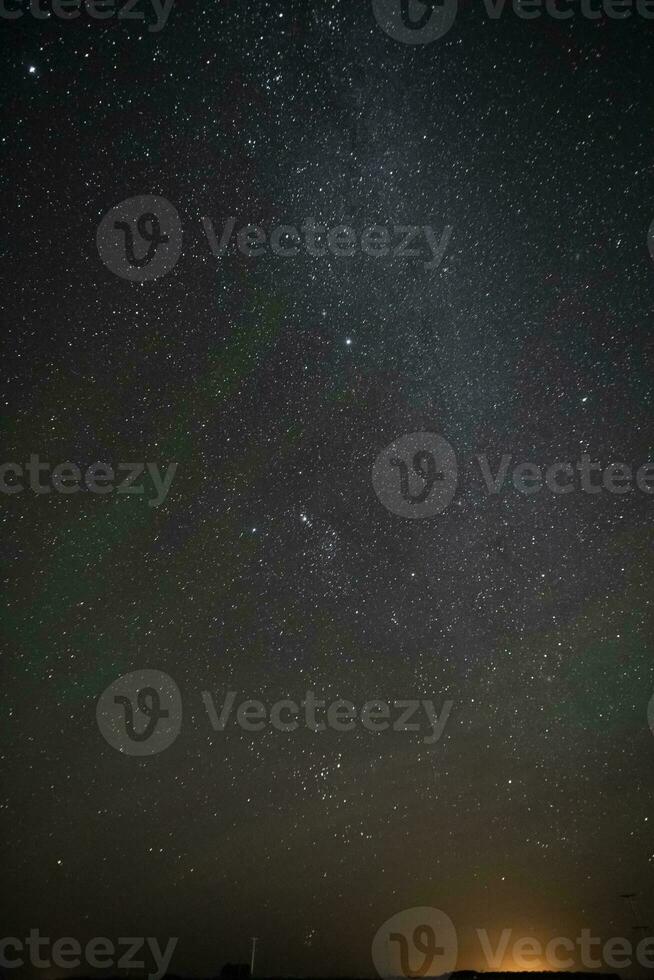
point(272, 568)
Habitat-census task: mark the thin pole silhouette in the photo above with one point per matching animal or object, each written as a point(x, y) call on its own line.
point(254, 947)
point(635, 911)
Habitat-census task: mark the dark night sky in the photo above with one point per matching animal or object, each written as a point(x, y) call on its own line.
point(272, 568)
